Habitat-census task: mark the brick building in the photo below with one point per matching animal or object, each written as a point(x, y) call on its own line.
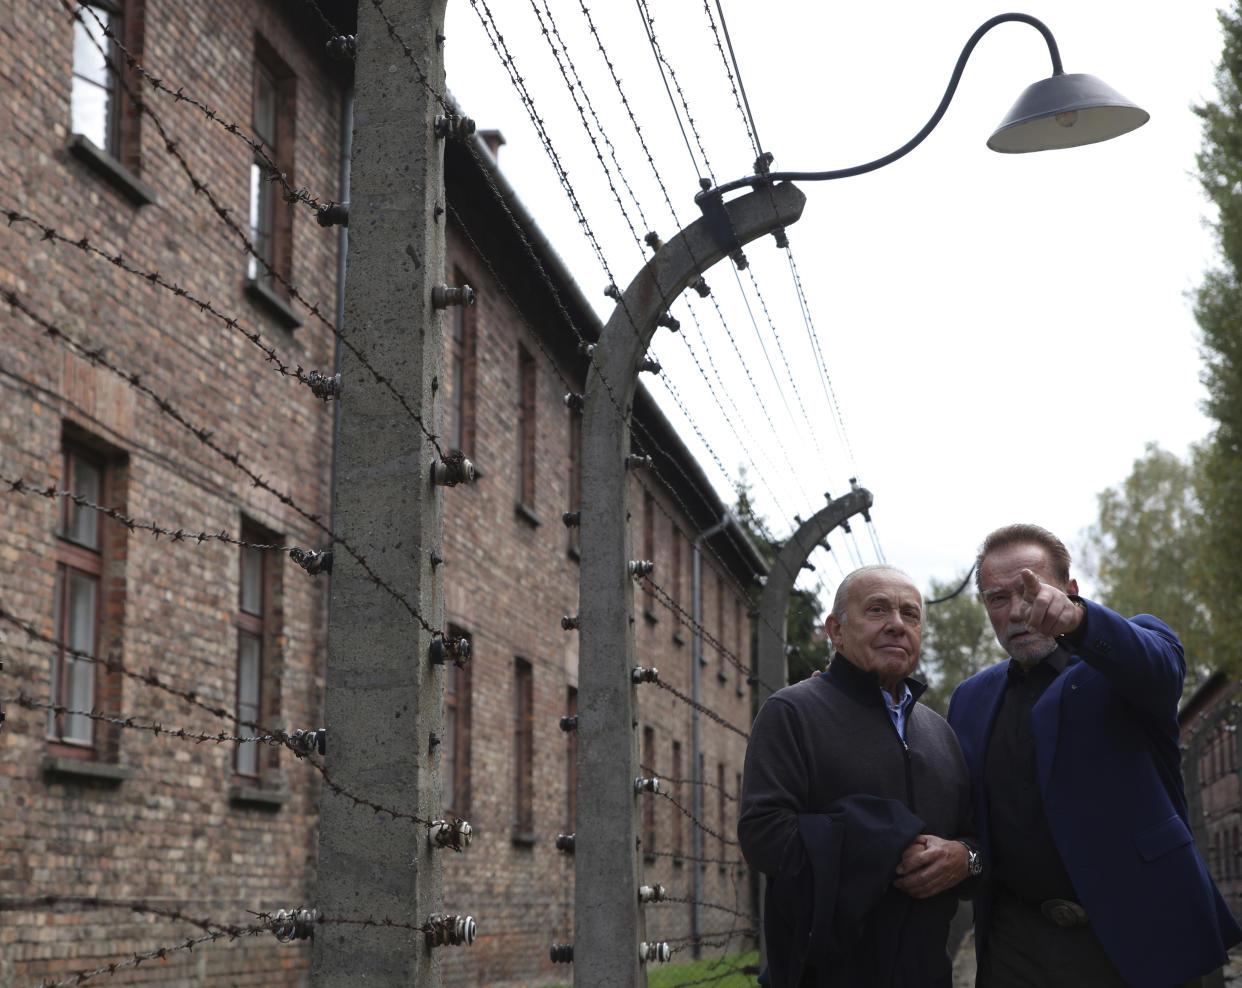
point(1210, 761)
point(150, 366)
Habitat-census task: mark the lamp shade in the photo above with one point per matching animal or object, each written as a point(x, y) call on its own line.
point(1065, 111)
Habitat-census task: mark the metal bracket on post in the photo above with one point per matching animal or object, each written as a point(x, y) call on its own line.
point(607, 922)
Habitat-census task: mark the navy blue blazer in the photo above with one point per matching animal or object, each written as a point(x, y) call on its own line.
point(1109, 762)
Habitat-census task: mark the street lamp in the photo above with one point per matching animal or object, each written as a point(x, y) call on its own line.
point(1061, 111)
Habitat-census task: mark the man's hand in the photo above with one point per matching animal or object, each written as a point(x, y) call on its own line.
point(1048, 610)
point(930, 865)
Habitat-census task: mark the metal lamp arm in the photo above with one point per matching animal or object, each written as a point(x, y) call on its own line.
point(928, 127)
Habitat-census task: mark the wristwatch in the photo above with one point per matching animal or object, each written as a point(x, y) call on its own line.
point(974, 860)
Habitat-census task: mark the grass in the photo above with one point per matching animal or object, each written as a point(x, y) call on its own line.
point(714, 972)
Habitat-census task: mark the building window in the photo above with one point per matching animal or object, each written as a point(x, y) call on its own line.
point(94, 99)
point(523, 751)
point(721, 808)
point(78, 606)
point(571, 781)
point(678, 829)
point(251, 638)
point(455, 753)
point(272, 117)
point(649, 815)
point(575, 479)
point(722, 671)
point(526, 429)
point(462, 371)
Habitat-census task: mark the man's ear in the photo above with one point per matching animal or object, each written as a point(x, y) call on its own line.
point(833, 627)
point(1072, 587)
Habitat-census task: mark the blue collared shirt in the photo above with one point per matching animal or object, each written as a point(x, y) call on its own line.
point(899, 710)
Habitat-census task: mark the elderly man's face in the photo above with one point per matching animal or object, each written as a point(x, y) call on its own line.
point(883, 626)
point(1000, 576)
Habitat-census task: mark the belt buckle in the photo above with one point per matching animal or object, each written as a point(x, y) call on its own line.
point(1063, 913)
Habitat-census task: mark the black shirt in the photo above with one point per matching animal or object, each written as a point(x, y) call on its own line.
point(1024, 858)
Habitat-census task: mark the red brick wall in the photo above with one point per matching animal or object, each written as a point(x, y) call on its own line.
point(170, 834)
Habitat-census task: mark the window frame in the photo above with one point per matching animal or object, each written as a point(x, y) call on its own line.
point(263, 197)
point(76, 557)
point(526, 426)
point(523, 751)
point(247, 760)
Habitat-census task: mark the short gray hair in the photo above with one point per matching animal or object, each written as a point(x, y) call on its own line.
point(843, 588)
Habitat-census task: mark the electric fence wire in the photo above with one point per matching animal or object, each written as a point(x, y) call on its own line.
point(201, 188)
point(496, 38)
point(205, 436)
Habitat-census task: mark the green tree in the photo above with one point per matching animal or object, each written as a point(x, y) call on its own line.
point(1147, 548)
point(957, 638)
point(1218, 310)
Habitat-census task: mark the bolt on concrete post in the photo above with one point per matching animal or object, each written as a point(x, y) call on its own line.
point(608, 924)
point(383, 698)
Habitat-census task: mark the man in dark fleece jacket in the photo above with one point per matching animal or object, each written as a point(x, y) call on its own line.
point(856, 806)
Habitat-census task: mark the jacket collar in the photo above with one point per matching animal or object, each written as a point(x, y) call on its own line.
point(860, 684)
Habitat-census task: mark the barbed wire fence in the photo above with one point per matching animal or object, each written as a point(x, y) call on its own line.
point(88, 351)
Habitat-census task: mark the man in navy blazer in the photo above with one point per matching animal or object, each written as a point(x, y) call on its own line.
point(1093, 876)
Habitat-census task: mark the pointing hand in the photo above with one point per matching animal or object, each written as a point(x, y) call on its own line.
point(1048, 610)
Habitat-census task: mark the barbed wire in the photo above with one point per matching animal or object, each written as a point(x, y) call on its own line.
point(225, 216)
point(313, 380)
point(681, 856)
point(576, 86)
point(205, 436)
point(113, 664)
point(19, 486)
point(270, 167)
point(735, 83)
point(697, 822)
point(691, 782)
point(749, 917)
point(705, 711)
point(150, 727)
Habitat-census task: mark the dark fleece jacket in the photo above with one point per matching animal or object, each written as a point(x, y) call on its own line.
point(814, 745)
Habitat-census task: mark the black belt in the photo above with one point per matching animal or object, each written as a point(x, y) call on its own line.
point(1065, 913)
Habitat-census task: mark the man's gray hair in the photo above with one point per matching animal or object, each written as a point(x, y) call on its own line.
point(843, 588)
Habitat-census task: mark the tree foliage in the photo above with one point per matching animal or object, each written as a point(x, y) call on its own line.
point(1218, 310)
point(957, 639)
point(1148, 550)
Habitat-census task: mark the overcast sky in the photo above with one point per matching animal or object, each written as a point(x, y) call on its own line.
point(1002, 333)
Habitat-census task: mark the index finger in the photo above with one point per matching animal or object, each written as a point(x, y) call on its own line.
point(1030, 585)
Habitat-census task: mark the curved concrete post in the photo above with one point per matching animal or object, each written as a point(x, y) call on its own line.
point(772, 669)
point(607, 922)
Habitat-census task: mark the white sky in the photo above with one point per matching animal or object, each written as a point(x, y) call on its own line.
point(1003, 333)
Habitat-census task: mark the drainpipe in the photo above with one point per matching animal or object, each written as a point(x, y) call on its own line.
point(696, 661)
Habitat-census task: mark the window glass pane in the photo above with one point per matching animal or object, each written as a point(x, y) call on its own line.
point(261, 204)
point(265, 106)
point(54, 671)
point(89, 45)
point(252, 581)
point(91, 96)
point(80, 673)
point(249, 671)
point(88, 113)
point(83, 524)
point(248, 678)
